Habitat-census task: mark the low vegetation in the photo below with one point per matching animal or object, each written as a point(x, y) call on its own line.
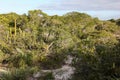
point(29, 43)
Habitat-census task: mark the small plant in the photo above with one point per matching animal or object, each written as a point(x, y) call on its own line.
point(17, 74)
point(48, 76)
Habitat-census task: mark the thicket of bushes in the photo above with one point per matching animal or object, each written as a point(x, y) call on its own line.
point(40, 41)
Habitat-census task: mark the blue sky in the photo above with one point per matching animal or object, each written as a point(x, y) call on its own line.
point(104, 9)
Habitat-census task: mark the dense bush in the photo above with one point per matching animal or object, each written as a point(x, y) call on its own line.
point(37, 39)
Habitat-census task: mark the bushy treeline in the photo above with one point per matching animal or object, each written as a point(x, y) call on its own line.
point(39, 41)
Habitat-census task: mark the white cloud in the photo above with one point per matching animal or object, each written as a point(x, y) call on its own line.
point(82, 5)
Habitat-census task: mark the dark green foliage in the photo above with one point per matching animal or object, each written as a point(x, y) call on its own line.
point(18, 74)
point(103, 65)
point(51, 62)
point(21, 60)
point(118, 22)
point(48, 76)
